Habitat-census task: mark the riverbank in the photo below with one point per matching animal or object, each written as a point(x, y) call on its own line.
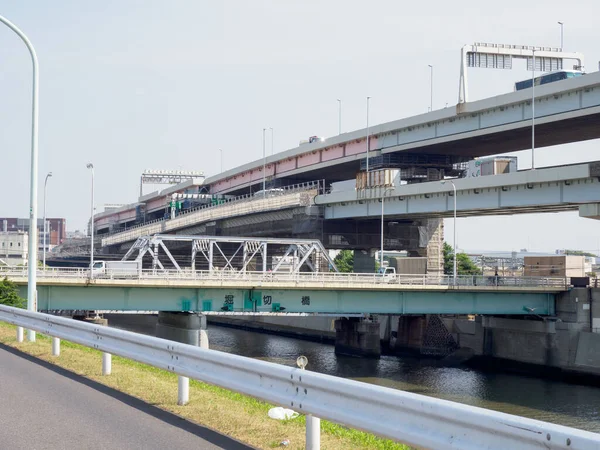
point(308, 329)
point(238, 416)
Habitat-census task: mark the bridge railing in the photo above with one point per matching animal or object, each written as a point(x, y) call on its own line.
point(307, 185)
point(413, 419)
point(321, 278)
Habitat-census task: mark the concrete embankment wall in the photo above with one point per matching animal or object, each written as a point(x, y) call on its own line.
point(569, 342)
point(314, 327)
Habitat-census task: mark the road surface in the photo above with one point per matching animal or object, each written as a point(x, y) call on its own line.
point(45, 407)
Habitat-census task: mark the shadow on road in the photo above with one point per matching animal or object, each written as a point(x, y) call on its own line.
point(209, 435)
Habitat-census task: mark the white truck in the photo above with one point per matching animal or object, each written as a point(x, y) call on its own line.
point(388, 274)
point(116, 269)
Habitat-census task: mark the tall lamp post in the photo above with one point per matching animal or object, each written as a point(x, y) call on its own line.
point(533, 111)
point(45, 231)
point(33, 185)
point(368, 98)
point(264, 165)
point(454, 226)
point(562, 24)
point(339, 116)
point(91, 167)
point(430, 87)
point(382, 202)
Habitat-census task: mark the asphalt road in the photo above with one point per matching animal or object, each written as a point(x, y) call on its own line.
point(45, 407)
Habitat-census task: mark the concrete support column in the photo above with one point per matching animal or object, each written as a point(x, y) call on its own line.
point(357, 337)
point(364, 262)
point(431, 245)
point(410, 333)
point(203, 333)
point(181, 327)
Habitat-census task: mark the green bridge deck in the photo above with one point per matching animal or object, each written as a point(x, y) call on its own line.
point(235, 296)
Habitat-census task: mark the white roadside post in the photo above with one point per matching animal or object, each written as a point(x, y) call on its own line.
point(106, 363)
point(55, 346)
point(313, 424)
point(183, 390)
point(33, 185)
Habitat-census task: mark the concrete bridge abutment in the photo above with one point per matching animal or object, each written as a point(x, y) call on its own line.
point(184, 327)
point(355, 336)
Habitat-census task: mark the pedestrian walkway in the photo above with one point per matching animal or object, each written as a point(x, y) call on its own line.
point(46, 407)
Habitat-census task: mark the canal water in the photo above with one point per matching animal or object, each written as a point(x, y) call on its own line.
point(542, 399)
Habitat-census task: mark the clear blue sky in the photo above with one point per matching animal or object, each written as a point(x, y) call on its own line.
point(130, 85)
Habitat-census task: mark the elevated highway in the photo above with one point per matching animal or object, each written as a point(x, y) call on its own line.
point(553, 189)
point(566, 111)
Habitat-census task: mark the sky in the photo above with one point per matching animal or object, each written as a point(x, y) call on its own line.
point(130, 85)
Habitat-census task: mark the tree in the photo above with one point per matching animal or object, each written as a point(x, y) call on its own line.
point(579, 253)
point(9, 294)
point(344, 261)
point(464, 266)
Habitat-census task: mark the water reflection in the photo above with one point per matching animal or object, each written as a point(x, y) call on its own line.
point(566, 404)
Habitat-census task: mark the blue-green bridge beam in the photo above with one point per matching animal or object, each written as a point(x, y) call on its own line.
point(294, 300)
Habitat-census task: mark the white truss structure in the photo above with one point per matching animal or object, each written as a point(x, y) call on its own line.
point(250, 254)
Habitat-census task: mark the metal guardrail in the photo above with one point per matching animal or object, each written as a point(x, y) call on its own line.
point(413, 419)
point(322, 278)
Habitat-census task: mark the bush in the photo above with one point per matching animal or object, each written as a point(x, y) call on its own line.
point(9, 294)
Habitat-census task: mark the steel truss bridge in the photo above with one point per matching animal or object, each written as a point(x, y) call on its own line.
point(237, 254)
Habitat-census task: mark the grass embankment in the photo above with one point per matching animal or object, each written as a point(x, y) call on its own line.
point(239, 416)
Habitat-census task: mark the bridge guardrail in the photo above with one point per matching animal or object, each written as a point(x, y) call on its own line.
point(159, 223)
point(322, 278)
point(413, 419)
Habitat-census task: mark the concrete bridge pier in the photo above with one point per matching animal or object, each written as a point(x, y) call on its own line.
point(355, 336)
point(184, 327)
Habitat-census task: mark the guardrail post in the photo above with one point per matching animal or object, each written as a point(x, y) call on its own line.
point(55, 346)
point(19, 334)
point(106, 363)
point(313, 424)
point(183, 390)
point(313, 432)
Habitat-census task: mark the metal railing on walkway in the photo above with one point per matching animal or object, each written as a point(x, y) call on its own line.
point(276, 200)
point(413, 419)
point(321, 278)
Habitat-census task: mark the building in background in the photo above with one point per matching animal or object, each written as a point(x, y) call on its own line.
point(56, 229)
point(13, 247)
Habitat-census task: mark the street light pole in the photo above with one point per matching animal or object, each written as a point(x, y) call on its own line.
point(454, 270)
point(44, 248)
point(264, 165)
point(561, 34)
point(533, 111)
point(339, 116)
point(91, 167)
point(272, 140)
point(430, 87)
point(368, 98)
point(33, 181)
point(382, 202)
